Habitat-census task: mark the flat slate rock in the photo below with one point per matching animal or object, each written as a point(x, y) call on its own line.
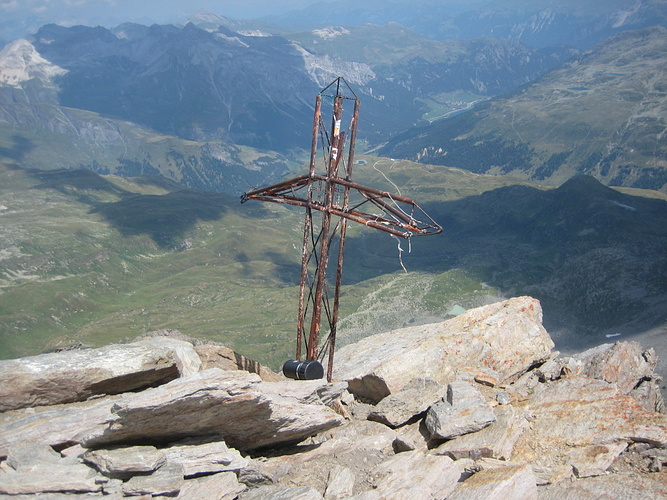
point(34, 468)
point(415, 474)
point(223, 486)
point(205, 457)
point(125, 462)
point(246, 412)
point(281, 493)
point(402, 406)
point(494, 441)
point(500, 483)
point(76, 375)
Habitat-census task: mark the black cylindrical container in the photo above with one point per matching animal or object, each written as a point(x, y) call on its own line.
point(303, 370)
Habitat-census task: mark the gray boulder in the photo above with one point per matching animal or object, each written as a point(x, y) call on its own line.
point(126, 462)
point(576, 424)
point(76, 375)
point(281, 493)
point(622, 363)
point(340, 483)
point(415, 474)
point(494, 441)
point(59, 427)
point(234, 406)
point(199, 457)
point(505, 338)
point(402, 406)
point(166, 480)
point(34, 468)
point(223, 486)
point(500, 483)
point(462, 411)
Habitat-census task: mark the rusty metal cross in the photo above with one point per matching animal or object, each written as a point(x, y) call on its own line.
point(334, 195)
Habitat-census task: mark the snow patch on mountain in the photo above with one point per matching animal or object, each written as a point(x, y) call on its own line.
point(623, 15)
point(20, 62)
point(622, 205)
point(322, 69)
point(331, 32)
point(233, 39)
point(255, 33)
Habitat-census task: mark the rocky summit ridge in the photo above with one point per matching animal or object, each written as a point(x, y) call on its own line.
point(475, 407)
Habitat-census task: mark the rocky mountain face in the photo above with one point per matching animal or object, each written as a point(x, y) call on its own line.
point(185, 81)
point(38, 131)
point(427, 68)
point(214, 83)
point(475, 407)
point(204, 103)
point(603, 114)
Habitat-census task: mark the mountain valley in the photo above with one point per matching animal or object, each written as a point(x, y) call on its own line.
point(603, 114)
point(95, 259)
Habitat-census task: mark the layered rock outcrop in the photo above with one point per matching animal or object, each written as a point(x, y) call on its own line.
point(475, 407)
point(497, 342)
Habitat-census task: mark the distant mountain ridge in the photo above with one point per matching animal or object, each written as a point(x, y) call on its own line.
point(208, 107)
point(216, 84)
point(538, 23)
point(603, 114)
point(221, 104)
point(38, 131)
point(427, 67)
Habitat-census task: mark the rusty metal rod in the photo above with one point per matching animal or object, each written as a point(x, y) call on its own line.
point(307, 226)
point(334, 159)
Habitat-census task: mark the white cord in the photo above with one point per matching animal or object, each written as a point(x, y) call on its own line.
point(400, 252)
point(388, 179)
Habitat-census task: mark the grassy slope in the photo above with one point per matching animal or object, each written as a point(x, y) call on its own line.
point(93, 259)
point(54, 137)
point(98, 264)
point(97, 259)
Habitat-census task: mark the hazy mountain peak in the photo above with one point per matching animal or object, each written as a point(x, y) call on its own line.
point(130, 31)
point(206, 16)
point(586, 186)
point(20, 62)
point(210, 21)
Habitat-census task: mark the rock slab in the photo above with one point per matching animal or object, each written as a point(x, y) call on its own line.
point(402, 406)
point(69, 376)
point(505, 338)
point(501, 483)
point(462, 411)
point(236, 406)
